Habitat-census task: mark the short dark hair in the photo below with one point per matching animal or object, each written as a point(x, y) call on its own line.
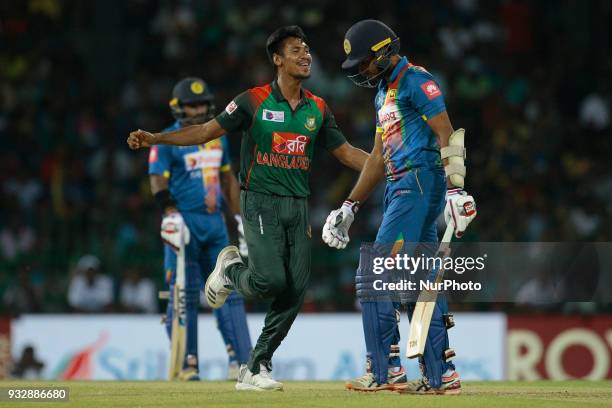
point(275, 39)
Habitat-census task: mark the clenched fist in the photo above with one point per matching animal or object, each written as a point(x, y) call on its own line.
point(140, 138)
point(335, 230)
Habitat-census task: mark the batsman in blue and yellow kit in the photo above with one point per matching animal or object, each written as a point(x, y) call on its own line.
point(414, 150)
point(189, 184)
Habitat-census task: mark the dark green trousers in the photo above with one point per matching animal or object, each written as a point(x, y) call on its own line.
point(278, 237)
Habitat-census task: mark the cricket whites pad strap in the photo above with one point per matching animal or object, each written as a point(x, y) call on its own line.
point(449, 151)
point(452, 169)
point(364, 278)
point(449, 320)
point(455, 153)
point(364, 287)
point(449, 354)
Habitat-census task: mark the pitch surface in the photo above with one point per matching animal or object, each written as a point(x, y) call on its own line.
point(318, 394)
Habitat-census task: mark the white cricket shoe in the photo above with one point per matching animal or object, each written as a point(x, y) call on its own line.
point(218, 286)
point(247, 381)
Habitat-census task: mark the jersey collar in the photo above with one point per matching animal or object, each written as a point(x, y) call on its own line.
point(396, 70)
point(278, 95)
point(401, 64)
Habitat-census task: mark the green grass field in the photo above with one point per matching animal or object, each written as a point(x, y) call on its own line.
point(319, 394)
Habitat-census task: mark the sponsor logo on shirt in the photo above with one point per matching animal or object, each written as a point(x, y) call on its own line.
point(289, 143)
point(153, 154)
point(385, 117)
point(203, 159)
point(388, 114)
point(231, 107)
point(391, 94)
point(431, 90)
point(273, 116)
point(282, 161)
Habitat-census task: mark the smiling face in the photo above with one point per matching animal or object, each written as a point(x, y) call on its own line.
point(294, 58)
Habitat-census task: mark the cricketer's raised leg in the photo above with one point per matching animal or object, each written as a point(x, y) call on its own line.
point(231, 318)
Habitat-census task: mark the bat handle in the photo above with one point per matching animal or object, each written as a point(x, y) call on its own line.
point(448, 233)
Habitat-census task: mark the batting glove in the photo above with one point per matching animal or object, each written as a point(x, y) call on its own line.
point(335, 230)
point(461, 208)
point(172, 227)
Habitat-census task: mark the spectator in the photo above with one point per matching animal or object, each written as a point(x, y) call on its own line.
point(23, 295)
point(16, 238)
point(595, 112)
point(540, 290)
point(137, 294)
point(90, 291)
point(26, 189)
point(507, 68)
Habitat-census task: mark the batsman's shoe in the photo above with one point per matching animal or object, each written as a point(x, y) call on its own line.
point(189, 374)
point(247, 381)
point(394, 378)
point(397, 378)
point(367, 383)
point(218, 286)
point(451, 385)
point(420, 386)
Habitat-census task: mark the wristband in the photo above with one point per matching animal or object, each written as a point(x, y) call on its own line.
point(352, 204)
point(164, 199)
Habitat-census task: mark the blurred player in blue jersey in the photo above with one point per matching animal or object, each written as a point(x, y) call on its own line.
point(189, 184)
point(421, 156)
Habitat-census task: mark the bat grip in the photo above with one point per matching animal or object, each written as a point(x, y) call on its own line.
point(448, 233)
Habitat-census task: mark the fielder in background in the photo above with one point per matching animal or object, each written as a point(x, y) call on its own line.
point(188, 183)
point(422, 158)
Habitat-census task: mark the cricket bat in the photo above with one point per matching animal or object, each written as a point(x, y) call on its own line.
point(421, 318)
point(179, 316)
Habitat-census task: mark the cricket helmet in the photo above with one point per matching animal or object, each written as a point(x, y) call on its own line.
point(369, 39)
point(191, 91)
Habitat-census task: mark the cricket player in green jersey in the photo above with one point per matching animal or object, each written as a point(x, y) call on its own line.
point(280, 123)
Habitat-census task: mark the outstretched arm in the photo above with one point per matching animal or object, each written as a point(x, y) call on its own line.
point(350, 156)
point(186, 136)
point(373, 171)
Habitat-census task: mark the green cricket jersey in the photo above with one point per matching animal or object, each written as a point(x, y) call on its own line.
point(277, 142)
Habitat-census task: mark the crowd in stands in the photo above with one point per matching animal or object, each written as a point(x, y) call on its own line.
point(529, 81)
